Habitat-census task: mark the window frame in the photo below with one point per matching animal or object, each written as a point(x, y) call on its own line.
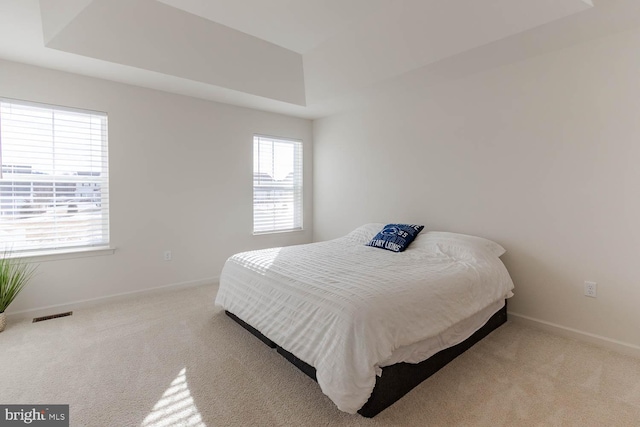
point(297, 186)
point(57, 249)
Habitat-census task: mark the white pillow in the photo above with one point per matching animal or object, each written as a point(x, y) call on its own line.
point(458, 240)
point(365, 233)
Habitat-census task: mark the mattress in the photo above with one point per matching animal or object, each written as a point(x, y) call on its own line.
point(422, 350)
point(348, 309)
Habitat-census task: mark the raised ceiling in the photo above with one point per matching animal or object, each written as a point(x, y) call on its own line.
point(297, 25)
point(307, 58)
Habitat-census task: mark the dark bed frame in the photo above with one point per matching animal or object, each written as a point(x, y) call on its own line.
point(396, 380)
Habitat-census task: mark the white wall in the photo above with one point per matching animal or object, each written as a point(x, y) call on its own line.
point(541, 156)
point(180, 179)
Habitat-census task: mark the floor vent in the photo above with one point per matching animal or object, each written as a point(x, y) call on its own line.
point(53, 316)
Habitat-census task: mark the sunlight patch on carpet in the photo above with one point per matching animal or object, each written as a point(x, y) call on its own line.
point(175, 407)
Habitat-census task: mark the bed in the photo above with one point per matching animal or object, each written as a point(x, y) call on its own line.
point(366, 323)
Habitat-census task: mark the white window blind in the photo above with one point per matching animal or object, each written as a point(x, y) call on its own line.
point(277, 185)
point(54, 182)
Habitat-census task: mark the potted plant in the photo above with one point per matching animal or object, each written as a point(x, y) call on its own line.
point(14, 275)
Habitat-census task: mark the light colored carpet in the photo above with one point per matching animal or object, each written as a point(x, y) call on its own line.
point(174, 359)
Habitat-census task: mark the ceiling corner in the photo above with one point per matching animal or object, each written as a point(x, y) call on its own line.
point(56, 15)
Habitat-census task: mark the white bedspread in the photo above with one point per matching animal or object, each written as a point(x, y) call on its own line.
point(344, 307)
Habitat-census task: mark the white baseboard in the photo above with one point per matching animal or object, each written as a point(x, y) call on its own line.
point(618, 346)
point(77, 305)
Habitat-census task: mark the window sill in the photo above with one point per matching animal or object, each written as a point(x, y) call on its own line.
point(57, 255)
point(291, 230)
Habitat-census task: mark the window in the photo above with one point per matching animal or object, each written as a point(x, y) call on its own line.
point(277, 185)
point(54, 182)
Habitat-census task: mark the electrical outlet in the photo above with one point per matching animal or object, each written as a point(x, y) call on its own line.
point(591, 289)
point(167, 255)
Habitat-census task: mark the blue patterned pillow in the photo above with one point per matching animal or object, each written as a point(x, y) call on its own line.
point(395, 237)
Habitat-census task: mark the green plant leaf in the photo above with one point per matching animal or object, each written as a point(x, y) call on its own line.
point(14, 275)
